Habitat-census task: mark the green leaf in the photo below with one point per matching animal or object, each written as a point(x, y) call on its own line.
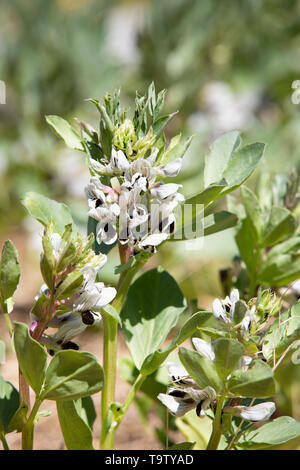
point(208, 195)
point(257, 381)
point(217, 160)
point(139, 257)
point(280, 270)
point(228, 353)
point(31, 356)
point(290, 246)
point(182, 446)
point(210, 224)
point(188, 425)
point(19, 418)
point(253, 210)
point(161, 122)
point(41, 307)
point(247, 244)
point(281, 334)
point(47, 262)
point(66, 132)
point(110, 310)
point(88, 412)
point(219, 221)
point(70, 285)
point(240, 308)
point(9, 404)
point(226, 161)
point(151, 310)
point(106, 138)
point(9, 275)
point(71, 375)
point(201, 369)
point(280, 224)
point(276, 432)
point(242, 163)
point(77, 433)
point(154, 360)
point(44, 210)
point(176, 151)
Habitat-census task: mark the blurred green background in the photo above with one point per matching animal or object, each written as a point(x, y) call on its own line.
point(226, 65)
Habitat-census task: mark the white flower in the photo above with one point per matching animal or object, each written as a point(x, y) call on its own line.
point(170, 169)
point(71, 327)
point(140, 174)
point(94, 297)
point(106, 232)
point(118, 161)
point(245, 362)
point(179, 401)
point(248, 318)
point(90, 270)
point(224, 310)
point(204, 348)
point(55, 240)
point(179, 375)
point(125, 212)
point(260, 412)
point(220, 308)
point(94, 192)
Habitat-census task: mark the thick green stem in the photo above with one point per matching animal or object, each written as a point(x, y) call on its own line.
point(28, 429)
point(217, 426)
point(129, 399)
point(110, 329)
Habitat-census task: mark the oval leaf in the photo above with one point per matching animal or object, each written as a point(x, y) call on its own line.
point(31, 356)
point(257, 381)
point(151, 310)
point(228, 352)
point(77, 434)
point(201, 369)
point(72, 375)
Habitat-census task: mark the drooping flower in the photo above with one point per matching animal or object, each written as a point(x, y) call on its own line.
point(260, 412)
point(185, 394)
point(181, 400)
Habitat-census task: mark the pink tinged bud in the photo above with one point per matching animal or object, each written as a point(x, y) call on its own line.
point(33, 327)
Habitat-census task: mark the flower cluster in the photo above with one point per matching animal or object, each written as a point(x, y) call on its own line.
point(232, 311)
point(185, 394)
point(138, 207)
point(82, 304)
point(128, 162)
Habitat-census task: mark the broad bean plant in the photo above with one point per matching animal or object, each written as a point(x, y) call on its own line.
point(222, 387)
